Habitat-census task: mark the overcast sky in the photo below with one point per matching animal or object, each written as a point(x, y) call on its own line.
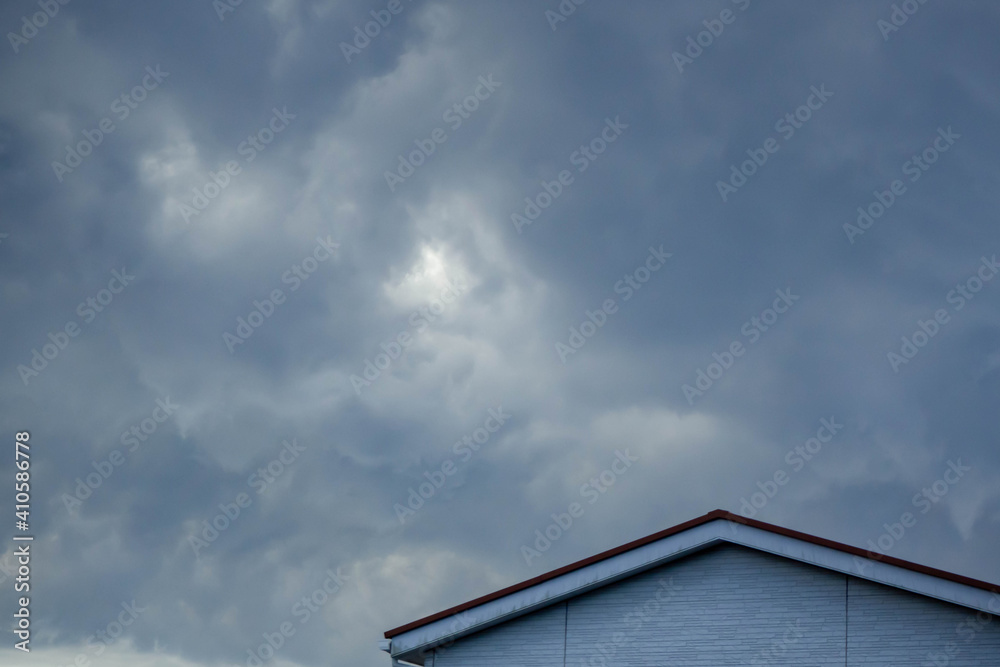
point(433, 280)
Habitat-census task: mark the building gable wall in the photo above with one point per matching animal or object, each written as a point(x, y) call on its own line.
point(732, 605)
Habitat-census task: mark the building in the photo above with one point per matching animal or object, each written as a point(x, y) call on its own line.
point(715, 591)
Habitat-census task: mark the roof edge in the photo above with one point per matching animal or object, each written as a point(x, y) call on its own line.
point(681, 527)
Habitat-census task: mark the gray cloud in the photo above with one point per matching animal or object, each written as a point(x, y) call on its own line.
point(324, 177)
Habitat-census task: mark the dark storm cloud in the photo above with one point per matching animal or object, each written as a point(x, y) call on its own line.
point(197, 276)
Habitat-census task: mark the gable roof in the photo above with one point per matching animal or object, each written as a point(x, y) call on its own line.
point(679, 541)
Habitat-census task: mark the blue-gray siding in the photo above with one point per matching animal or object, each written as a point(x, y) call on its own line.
point(535, 639)
point(735, 606)
point(892, 627)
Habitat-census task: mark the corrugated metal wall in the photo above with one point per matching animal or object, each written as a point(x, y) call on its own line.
point(737, 606)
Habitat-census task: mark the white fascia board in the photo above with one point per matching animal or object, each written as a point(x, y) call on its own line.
point(557, 589)
point(407, 645)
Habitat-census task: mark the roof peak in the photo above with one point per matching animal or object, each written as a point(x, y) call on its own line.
point(714, 515)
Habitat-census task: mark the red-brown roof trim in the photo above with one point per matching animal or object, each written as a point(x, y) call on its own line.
point(681, 527)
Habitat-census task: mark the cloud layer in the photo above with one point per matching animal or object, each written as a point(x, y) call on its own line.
point(457, 213)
